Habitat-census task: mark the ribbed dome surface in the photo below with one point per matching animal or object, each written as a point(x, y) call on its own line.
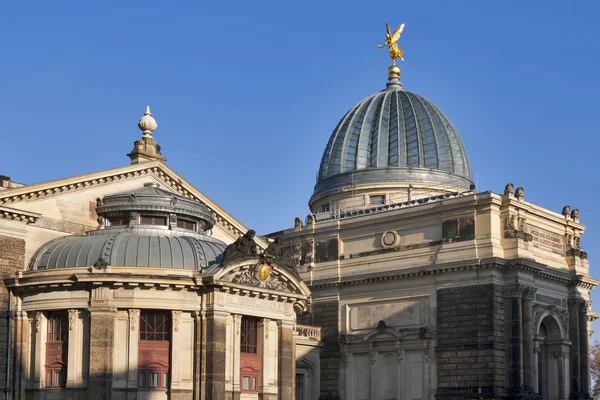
point(395, 132)
point(128, 250)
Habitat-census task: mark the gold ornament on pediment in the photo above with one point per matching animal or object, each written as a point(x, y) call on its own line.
point(263, 272)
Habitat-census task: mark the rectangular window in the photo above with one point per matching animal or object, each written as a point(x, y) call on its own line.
point(185, 224)
point(153, 379)
point(249, 336)
point(249, 354)
point(154, 325)
point(56, 349)
point(154, 349)
point(116, 221)
point(377, 200)
point(153, 220)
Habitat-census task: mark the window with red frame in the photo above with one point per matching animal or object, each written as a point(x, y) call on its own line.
point(154, 349)
point(56, 350)
point(185, 224)
point(249, 355)
point(153, 220)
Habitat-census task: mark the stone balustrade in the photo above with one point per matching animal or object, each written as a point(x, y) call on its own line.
point(306, 331)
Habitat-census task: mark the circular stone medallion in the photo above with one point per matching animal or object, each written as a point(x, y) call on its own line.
point(389, 239)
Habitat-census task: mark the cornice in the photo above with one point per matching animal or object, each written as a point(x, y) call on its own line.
point(540, 271)
point(18, 215)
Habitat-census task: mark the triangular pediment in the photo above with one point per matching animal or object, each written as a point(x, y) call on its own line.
point(67, 192)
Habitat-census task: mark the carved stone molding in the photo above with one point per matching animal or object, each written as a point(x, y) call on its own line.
point(237, 322)
point(559, 314)
point(514, 290)
point(250, 277)
point(134, 317)
point(347, 357)
point(38, 320)
point(373, 357)
point(266, 324)
point(529, 293)
point(176, 315)
point(73, 314)
point(577, 304)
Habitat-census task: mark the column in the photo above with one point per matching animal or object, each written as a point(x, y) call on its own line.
point(515, 365)
point(237, 324)
point(287, 360)
point(176, 352)
point(535, 370)
point(75, 350)
point(215, 349)
point(574, 354)
point(584, 352)
point(134, 338)
point(199, 355)
point(40, 325)
point(22, 350)
point(102, 334)
point(528, 376)
point(270, 354)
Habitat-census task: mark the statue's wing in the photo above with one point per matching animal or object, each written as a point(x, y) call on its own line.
point(387, 27)
point(397, 33)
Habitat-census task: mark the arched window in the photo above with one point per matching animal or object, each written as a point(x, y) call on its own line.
point(56, 349)
point(154, 349)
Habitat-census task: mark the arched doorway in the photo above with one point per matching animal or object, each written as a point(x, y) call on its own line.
point(552, 357)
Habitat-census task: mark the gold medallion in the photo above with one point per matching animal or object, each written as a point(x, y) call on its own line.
point(263, 272)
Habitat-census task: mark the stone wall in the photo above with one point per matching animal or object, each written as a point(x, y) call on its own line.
point(325, 313)
point(470, 351)
point(12, 259)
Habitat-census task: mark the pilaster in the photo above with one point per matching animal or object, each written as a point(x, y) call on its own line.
point(575, 365)
point(102, 333)
point(287, 360)
point(215, 348)
point(134, 337)
point(584, 349)
point(514, 294)
point(528, 376)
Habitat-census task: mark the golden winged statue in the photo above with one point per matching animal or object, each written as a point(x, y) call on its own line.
point(390, 41)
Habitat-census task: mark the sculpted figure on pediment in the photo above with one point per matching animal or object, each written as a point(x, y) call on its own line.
point(244, 247)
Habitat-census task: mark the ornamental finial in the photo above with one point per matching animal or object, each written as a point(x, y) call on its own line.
point(395, 52)
point(147, 124)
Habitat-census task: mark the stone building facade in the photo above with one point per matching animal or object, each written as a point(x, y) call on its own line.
point(114, 286)
point(425, 288)
point(405, 283)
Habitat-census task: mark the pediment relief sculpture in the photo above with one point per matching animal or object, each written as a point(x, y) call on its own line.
point(263, 274)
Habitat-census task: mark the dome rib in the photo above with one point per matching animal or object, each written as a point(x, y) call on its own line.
point(430, 141)
point(362, 149)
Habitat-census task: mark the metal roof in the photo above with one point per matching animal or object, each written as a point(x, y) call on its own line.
point(395, 136)
point(129, 250)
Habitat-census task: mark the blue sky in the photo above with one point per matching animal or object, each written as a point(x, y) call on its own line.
point(246, 93)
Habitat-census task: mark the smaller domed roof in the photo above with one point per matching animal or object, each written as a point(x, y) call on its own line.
point(129, 250)
point(177, 235)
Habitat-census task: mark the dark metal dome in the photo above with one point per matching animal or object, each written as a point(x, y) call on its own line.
point(123, 249)
point(394, 136)
point(146, 227)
